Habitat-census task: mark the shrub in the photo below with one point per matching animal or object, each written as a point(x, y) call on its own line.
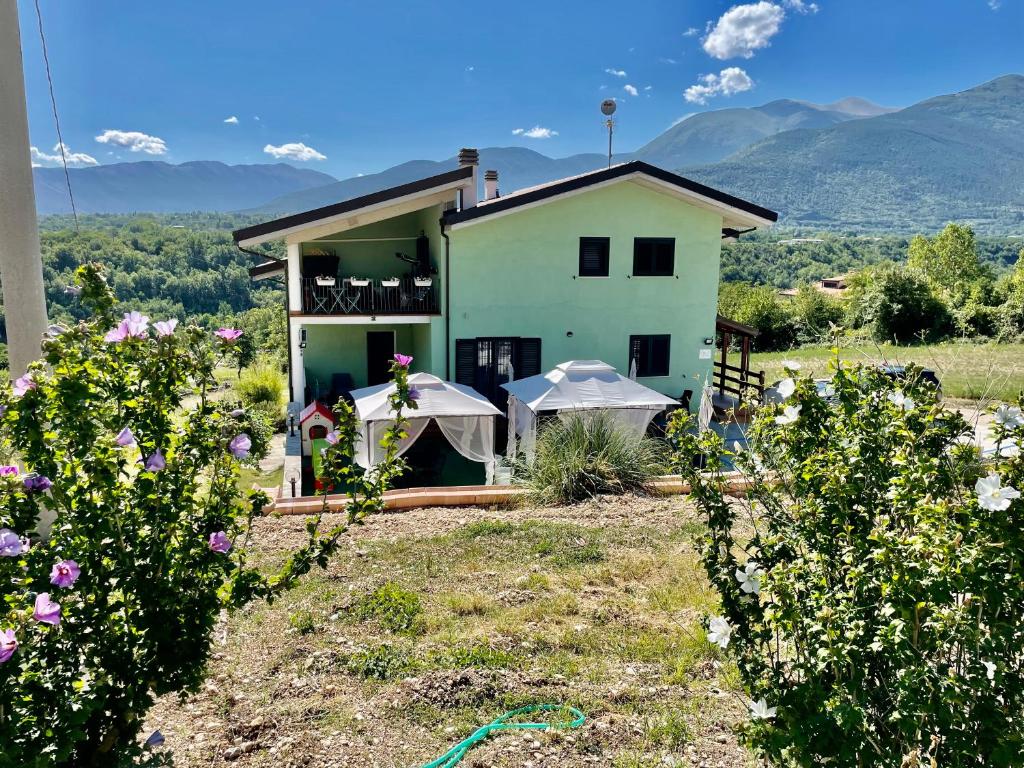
point(136, 470)
point(261, 384)
point(579, 456)
point(870, 582)
point(814, 314)
point(896, 303)
point(760, 307)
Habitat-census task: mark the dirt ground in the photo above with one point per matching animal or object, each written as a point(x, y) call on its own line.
point(435, 621)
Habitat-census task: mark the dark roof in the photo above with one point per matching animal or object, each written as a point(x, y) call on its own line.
point(346, 206)
point(266, 269)
point(573, 183)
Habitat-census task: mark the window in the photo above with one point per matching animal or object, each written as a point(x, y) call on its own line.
point(594, 256)
point(654, 256)
point(650, 353)
point(487, 363)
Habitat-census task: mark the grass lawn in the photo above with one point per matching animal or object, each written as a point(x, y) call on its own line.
point(966, 370)
point(436, 621)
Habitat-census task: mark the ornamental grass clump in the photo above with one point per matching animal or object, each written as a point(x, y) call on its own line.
point(872, 578)
point(581, 455)
point(123, 534)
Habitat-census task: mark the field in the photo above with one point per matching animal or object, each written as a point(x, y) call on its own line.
point(436, 621)
point(966, 370)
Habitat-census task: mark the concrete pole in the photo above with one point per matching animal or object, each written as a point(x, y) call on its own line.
point(21, 266)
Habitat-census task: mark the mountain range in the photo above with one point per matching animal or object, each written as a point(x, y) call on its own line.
point(850, 165)
point(154, 186)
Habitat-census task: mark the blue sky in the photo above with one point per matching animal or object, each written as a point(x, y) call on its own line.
point(365, 85)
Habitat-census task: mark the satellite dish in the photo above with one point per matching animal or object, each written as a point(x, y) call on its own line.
point(608, 107)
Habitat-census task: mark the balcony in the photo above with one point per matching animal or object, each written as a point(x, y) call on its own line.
point(351, 296)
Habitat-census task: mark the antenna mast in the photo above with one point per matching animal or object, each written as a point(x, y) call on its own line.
point(608, 109)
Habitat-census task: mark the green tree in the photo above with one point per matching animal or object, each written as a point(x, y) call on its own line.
point(949, 261)
point(896, 303)
point(759, 306)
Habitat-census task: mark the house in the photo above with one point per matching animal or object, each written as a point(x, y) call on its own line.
point(619, 264)
point(830, 286)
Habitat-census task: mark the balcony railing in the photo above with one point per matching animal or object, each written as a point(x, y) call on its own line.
point(377, 297)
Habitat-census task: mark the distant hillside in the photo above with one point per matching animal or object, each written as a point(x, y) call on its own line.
point(155, 186)
point(957, 157)
point(708, 137)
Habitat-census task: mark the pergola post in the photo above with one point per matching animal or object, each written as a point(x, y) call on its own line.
point(21, 268)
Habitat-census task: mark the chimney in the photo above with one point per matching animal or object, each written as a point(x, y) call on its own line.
point(469, 157)
point(490, 185)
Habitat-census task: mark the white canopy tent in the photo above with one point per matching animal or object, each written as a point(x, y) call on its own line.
point(579, 385)
point(465, 417)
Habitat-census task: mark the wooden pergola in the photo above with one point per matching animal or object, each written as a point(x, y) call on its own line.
point(735, 380)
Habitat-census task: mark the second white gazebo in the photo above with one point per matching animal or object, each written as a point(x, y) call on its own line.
point(464, 416)
point(579, 385)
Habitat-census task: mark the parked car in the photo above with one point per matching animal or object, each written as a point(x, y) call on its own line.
point(898, 374)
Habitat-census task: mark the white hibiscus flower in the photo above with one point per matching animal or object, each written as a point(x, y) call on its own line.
point(1009, 416)
point(789, 415)
point(719, 632)
point(993, 495)
point(786, 388)
point(759, 710)
point(749, 578)
point(901, 400)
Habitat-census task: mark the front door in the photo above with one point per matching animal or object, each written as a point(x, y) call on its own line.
point(380, 352)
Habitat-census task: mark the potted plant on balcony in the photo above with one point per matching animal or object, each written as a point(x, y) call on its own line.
point(391, 282)
point(423, 282)
point(359, 282)
point(326, 281)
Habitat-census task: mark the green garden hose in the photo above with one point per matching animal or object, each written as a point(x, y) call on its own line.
point(454, 755)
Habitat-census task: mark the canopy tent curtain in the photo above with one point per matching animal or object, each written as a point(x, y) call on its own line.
point(586, 386)
point(464, 416)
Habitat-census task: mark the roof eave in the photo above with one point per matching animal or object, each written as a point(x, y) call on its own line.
point(294, 223)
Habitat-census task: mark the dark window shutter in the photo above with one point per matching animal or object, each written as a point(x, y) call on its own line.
point(654, 256)
point(529, 358)
point(651, 353)
point(465, 362)
point(594, 256)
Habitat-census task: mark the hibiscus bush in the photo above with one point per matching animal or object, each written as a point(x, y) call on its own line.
point(871, 578)
point(123, 533)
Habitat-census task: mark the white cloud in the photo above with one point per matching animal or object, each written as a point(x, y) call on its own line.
point(995, 5)
point(537, 132)
point(616, 72)
point(470, 68)
point(727, 82)
point(744, 29)
point(648, 87)
point(803, 7)
point(75, 159)
point(231, 120)
point(135, 141)
point(691, 32)
point(630, 89)
point(256, 118)
point(667, 60)
point(294, 151)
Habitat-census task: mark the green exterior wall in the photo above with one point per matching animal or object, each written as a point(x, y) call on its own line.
point(513, 275)
point(516, 275)
point(342, 349)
